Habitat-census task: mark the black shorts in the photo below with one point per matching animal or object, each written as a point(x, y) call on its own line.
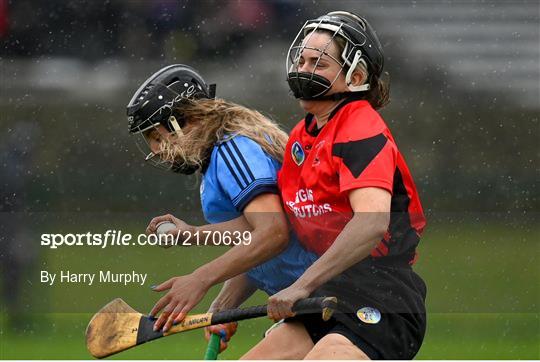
point(381, 310)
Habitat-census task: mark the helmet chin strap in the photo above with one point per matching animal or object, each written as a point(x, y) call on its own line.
point(176, 127)
point(335, 96)
point(348, 77)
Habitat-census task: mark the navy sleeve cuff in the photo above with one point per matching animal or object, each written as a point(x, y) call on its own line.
point(257, 188)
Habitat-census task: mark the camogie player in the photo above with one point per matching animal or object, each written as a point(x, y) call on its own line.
point(238, 151)
point(351, 199)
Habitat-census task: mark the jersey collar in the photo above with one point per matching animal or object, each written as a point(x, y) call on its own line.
point(311, 125)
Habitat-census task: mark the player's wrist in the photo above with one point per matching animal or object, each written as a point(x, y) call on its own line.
point(204, 277)
point(191, 229)
point(216, 306)
point(306, 284)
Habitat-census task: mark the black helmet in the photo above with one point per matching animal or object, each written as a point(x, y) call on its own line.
point(152, 103)
point(358, 34)
point(361, 46)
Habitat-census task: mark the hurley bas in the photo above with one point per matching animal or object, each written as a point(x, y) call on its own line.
point(66, 276)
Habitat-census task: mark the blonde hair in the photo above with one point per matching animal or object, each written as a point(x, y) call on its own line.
point(216, 120)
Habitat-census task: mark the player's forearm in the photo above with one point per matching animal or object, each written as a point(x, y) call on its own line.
point(238, 224)
point(268, 238)
point(353, 244)
point(234, 292)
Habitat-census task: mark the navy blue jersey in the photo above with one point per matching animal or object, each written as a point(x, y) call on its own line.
point(239, 170)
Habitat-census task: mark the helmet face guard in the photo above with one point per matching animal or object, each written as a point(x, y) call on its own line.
point(361, 46)
point(153, 158)
point(157, 102)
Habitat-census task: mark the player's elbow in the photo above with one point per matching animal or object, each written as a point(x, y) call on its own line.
point(278, 234)
point(373, 225)
point(281, 237)
point(274, 235)
point(380, 225)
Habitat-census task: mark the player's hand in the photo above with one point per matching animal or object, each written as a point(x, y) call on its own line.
point(225, 331)
point(280, 304)
point(181, 227)
point(183, 295)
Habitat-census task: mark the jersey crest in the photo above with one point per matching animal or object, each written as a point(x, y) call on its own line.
point(297, 153)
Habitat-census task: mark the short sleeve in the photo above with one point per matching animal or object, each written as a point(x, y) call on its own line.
point(368, 162)
point(244, 170)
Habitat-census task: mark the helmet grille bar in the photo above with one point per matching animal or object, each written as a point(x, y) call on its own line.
point(361, 48)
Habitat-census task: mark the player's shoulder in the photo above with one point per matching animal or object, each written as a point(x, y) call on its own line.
point(237, 141)
point(359, 120)
point(299, 128)
point(239, 150)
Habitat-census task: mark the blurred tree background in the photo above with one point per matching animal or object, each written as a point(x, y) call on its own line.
point(464, 111)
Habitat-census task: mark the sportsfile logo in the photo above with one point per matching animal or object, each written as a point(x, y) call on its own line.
point(120, 238)
point(102, 240)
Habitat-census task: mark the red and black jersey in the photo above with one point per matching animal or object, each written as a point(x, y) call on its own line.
point(354, 149)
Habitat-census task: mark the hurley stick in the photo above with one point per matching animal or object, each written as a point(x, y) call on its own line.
point(212, 350)
point(117, 326)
